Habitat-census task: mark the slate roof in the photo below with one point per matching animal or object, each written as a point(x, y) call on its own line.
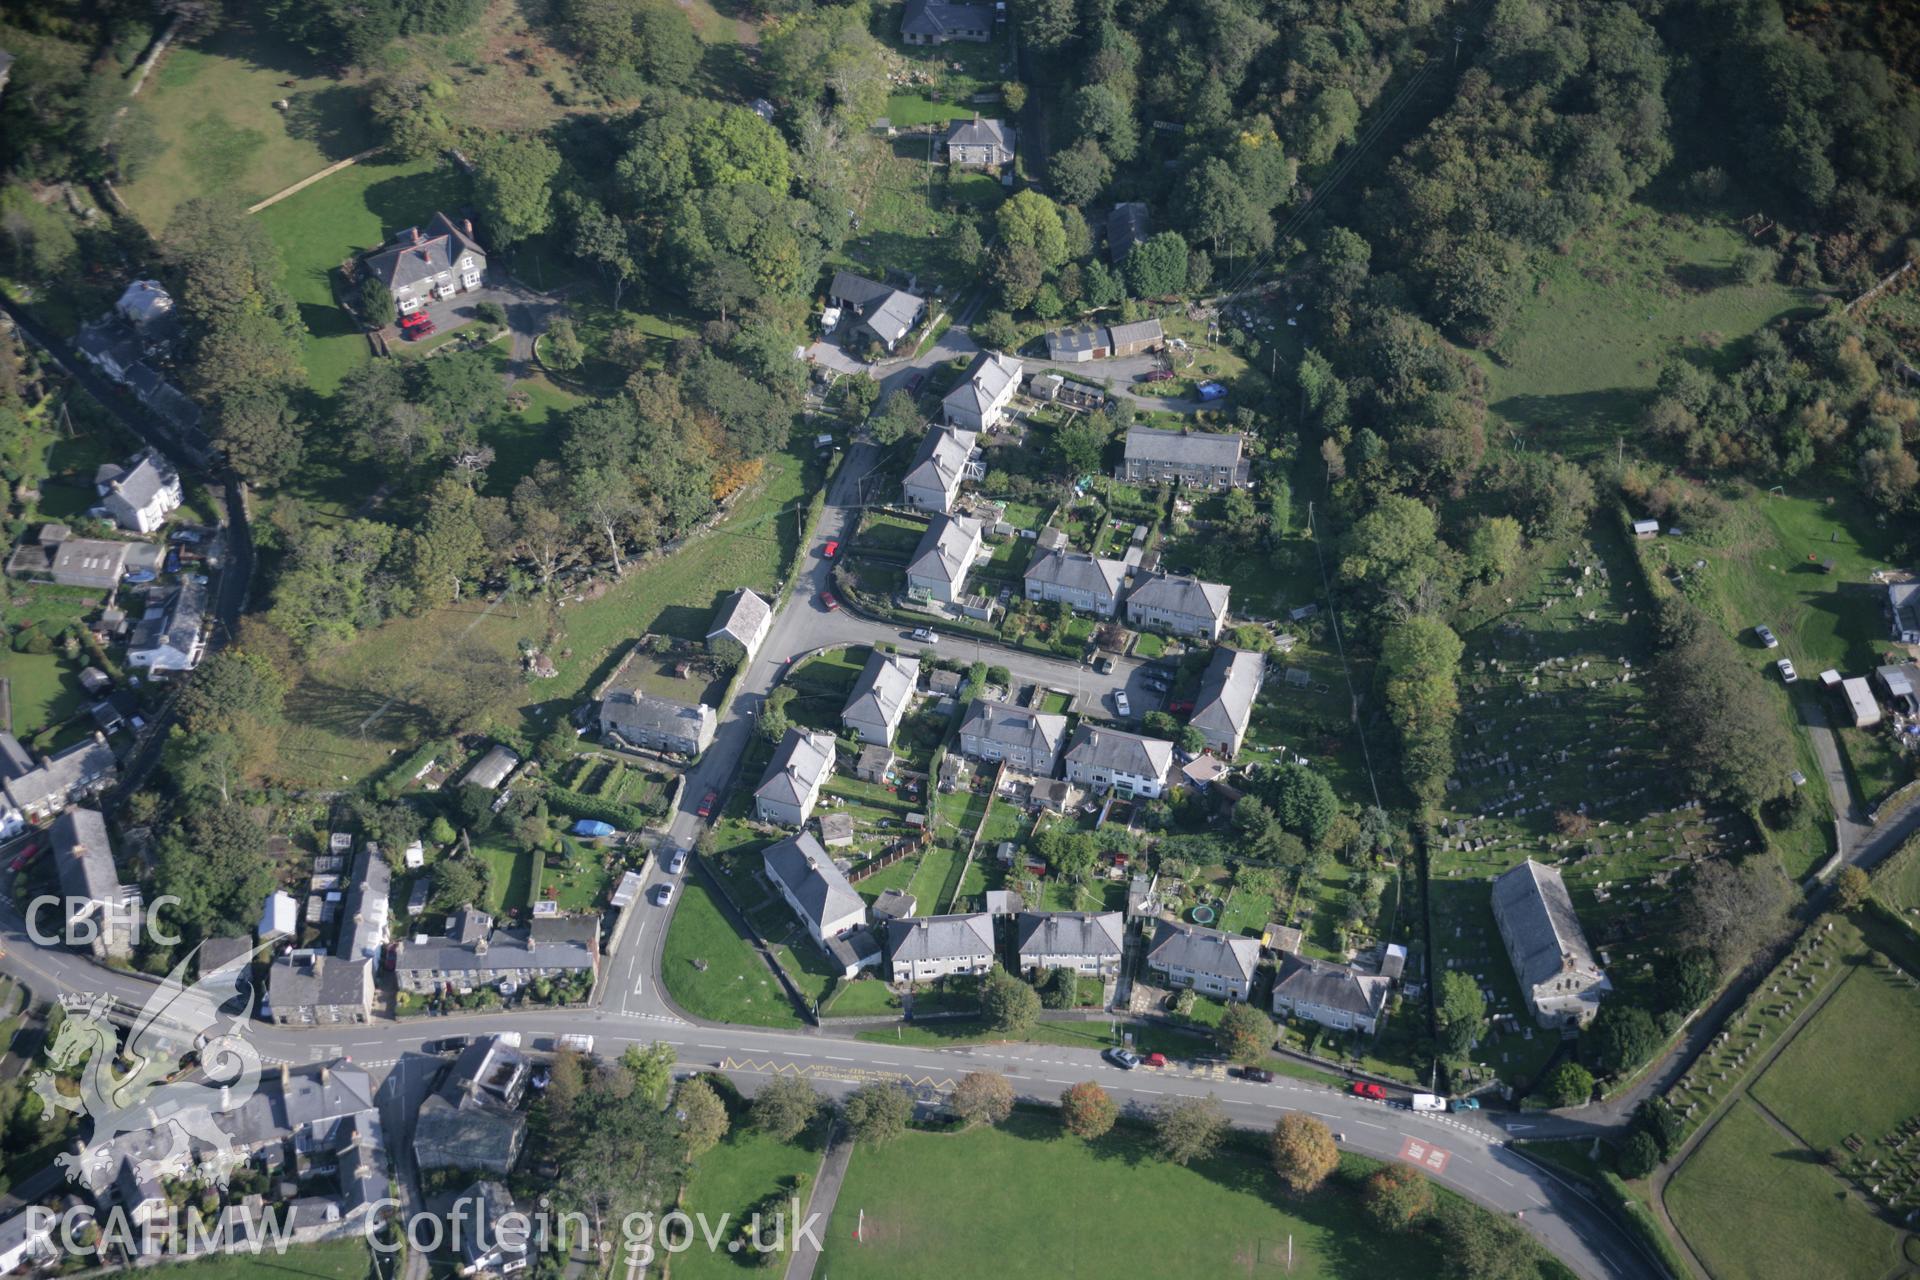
point(932, 18)
point(140, 480)
point(1185, 448)
point(1178, 594)
point(1076, 570)
point(1138, 331)
point(1537, 919)
point(986, 383)
point(801, 762)
point(955, 937)
point(544, 944)
point(1126, 228)
point(741, 616)
point(83, 856)
point(1128, 753)
point(407, 260)
point(941, 460)
point(624, 709)
point(883, 688)
point(14, 758)
point(108, 342)
point(477, 1223)
point(364, 932)
point(944, 550)
point(1188, 946)
point(1015, 727)
point(801, 863)
point(980, 133)
point(177, 626)
point(318, 981)
point(145, 301)
point(1228, 691)
point(1331, 986)
point(56, 778)
point(887, 310)
point(1069, 933)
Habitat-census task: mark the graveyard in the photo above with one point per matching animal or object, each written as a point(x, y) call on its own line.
point(1558, 759)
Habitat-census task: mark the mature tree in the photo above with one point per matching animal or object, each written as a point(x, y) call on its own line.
point(1494, 547)
point(513, 186)
point(1157, 267)
point(1478, 1245)
point(1008, 1004)
point(1850, 888)
point(1568, 1085)
point(1397, 1196)
point(1302, 799)
point(1686, 978)
point(703, 1117)
point(1095, 112)
point(1082, 443)
point(1088, 1111)
point(784, 1108)
point(983, 1097)
point(1245, 1033)
point(627, 42)
point(1620, 1038)
point(622, 1149)
point(826, 58)
point(1734, 910)
point(878, 1113)
point(1461, 1013)
point(896, 419)
point(1551, 497)
point(1080, 172)
point(1393, 553)
point(1047, 25)
point(1420, 660)
point(1217, 207)
point(1638, 1156)
point(457, 883)
point(1189, 1129)
point(1303, 1151)
point(211, 862)
point(230, 685)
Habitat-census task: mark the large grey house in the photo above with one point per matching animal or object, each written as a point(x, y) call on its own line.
point(170, 637)
point(1207, 960)
point(880, 696)
point(1178, 604)
point(887, 313)
point(1223, 709)
point(979, 144)
point(938, 570)
point(1088, 584)
point(933, 479)
point(139, 493)
point(419, 267)
point(1562, 982)
point(472, 1119)
point(981, 399)
point(814, 887)
point(933, 22)
point(1332, 995)
point(923, 948)
point(641, 720)
point(1193, 459)
point(790, 787)
point(1027, 740)
point(1088, 942)
point(1126, 762)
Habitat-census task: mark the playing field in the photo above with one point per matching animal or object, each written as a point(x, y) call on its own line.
point(1024, 1200)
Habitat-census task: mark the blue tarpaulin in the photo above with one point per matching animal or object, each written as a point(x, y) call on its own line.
point(592, 827)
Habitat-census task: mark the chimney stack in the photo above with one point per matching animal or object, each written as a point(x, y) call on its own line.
point(466, 224)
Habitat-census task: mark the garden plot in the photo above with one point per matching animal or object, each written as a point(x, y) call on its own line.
point(1558, 760)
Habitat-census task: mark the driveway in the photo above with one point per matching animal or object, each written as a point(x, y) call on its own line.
point(1123, 372)
point(528, 315)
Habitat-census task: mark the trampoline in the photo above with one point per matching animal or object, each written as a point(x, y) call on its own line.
point(1203, 914)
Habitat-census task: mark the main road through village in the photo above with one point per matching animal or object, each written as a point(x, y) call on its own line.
point(1469, 1155)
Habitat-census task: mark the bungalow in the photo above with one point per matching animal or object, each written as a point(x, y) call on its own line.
point(1558, 975)
point(1132, 339)
point(1078, 344)
point(1207, 960)
point(873, 764)
point(933, 479)
point(1223, 709)
point(1027, 740)
point(814, 887)
point(170, 637)
point(1086, 942)
point(1333, 995)
point(1193, 459)
point(880, 696)
point(89, 885)
point(419, 267)
point(938, 570)
point(889, 314)
point(981, 400)
point(979, 144)
point(139, 493)
point(1181, 605)
point(924, 948)
point(1103, 758)
point(743, 620)
point(308, 990)
point(935, 22)
point(790, 787)
point(1085, 583)
point(1127, 228)
point(474, 954)
point(655, 724)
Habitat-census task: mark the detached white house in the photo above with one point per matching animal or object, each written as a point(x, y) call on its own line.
point(942, 462)
point(880, 697)
point(419, 267)
point(814, 887)
point(139, 493)
point(790, 787)
point(947, 551)
point(981, 400)
point(169, 637)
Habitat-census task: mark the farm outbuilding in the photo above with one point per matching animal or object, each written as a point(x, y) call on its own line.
point(1860, 703)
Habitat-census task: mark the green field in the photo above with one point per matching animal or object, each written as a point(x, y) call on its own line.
point(1852, 1070)
point(1572, 372)
point(212, 108)
point(1025, 1200)
point(736, 985)
point(732, 1178)
point(1753, 1204)
point(338, 1260)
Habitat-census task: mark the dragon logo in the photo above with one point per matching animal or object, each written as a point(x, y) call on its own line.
point(158, 1114)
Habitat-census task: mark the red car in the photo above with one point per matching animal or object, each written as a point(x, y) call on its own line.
point(831, 550)
point(1362, 1089)
point(415, 320)
point(418, 331)
point(706, 806)
point(25, 856)
point(1155, 1060)
point(826, 598)
point(1159, 375)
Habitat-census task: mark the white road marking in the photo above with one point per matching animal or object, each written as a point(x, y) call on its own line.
point(1503, 1178)
point(830, 1058)
point(1370, 1124)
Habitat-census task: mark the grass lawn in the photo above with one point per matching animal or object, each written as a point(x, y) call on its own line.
point(337, 1260)
point(736, 985)
point(1584, 349)
point(868, 997)
point(1852, 1069)
point(1023, 1199)
point(509, 877)
point(732, 1178)
point(1755, 1205)
point(212, 109)
point(528, 434)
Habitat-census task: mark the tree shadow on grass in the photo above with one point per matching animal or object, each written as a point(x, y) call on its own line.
point(1581, 424)
point(411, 201)
point(333, 118)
